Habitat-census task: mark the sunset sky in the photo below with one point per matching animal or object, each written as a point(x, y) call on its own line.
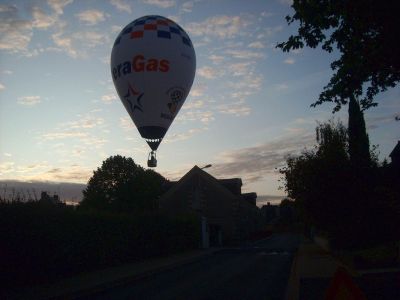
point(249, 106)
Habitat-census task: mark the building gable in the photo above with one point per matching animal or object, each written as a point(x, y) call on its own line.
point(395, 152)
point(185, 190)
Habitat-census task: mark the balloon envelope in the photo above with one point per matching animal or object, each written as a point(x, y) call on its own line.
point(153, 65)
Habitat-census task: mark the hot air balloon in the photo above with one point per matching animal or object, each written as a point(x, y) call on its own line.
point(153, 65)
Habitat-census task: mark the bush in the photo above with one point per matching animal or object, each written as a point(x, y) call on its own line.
point(45, 242)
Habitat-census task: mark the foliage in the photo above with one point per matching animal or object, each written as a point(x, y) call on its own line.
point(121, 185)
point(332, 140)
point(337, 198)
point(365, 32)
point(318, 178)
point(287, 211)
point(41, 243)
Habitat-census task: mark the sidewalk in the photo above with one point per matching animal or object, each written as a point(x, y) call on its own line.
point(313, 269)
point(87, 283)
point(310, 262)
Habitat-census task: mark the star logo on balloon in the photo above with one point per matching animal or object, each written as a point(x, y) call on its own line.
point(134, 98)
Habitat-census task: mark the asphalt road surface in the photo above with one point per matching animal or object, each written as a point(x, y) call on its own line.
point(255, 271)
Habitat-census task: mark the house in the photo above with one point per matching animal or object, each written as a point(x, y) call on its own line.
point(395, 156)
point(270, 213)
point(226, 214)
point(46, 198)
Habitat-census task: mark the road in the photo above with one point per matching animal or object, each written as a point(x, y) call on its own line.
point(255, 271)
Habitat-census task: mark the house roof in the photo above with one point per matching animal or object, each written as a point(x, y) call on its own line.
point(396, 151)
point(232, 184)
point(204, 175)
point(250, 197)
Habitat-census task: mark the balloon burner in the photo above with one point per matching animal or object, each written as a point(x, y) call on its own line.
point(152, 160)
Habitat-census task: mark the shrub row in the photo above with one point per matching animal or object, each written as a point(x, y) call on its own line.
point(40, 242)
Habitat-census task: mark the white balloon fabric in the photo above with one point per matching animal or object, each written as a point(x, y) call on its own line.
point(153, 65)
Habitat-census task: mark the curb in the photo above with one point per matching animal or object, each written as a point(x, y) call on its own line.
point(292, 289)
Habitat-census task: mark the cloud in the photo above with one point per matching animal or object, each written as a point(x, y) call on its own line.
point(15, 35)
point(269, 31)
point(160, 3)
point(281, 87)
point(7, 154)
point(126, 123)
point(247, 84)
point(286, 2)
point(64, 44)
point(86, 129)
point(216, 59)
point(84, 136)
point(85, 122)
point(266, 14)
point(187, 6)
point(93, 141)
point(237, 109)
point(193, 104)
point(244, 54)
point(256, 45)
point(29, 100)
point(196, 115)
point(58, 5)
point(240, 94)
point(90, 39)
point(116, 28)
point(221, 26)
point(7, 8)
point(122, 5)
point(109, 98)
point(183, 136)
point(374, 122)
point(250, 82)
point(240, 69)
point(289, 61)
point(83, 129)
point(209, 72)
point(78, 44)
point(254, 163)
point(2, 87)
point(63, 135)
point(78, 152)
point(197, 91)
point(7, 72)
point(91, 16)
point(41, 20)
point(6, 167)
point(73, 173)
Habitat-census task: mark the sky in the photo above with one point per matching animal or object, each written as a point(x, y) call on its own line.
point(248, 109)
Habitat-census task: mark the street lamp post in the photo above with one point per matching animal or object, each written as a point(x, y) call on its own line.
point(206, 166)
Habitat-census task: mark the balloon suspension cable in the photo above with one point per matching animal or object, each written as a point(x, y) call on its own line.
point(152, 160)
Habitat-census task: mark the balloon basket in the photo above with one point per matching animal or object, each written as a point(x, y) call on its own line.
point(152, 160)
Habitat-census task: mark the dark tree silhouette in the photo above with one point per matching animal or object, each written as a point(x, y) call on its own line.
point(123, 186)
point(358, 138)
point(340, 198)
point(365, 32)
point(319, 179)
